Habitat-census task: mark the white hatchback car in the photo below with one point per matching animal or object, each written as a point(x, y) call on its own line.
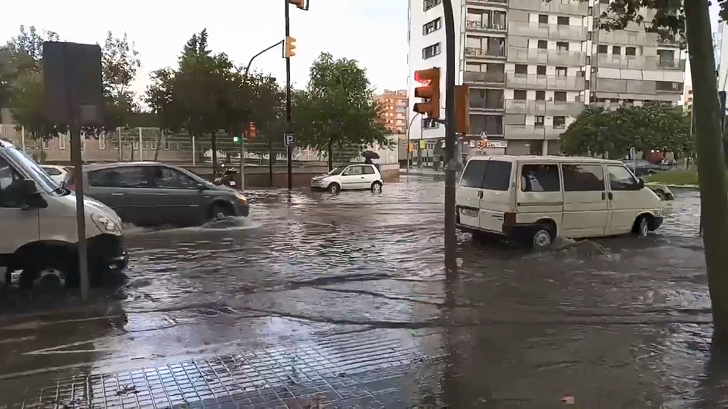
point(352, 177)
point(57, 173)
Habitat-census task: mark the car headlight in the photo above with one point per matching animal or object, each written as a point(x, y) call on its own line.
point(243, 201)
point(106, 224)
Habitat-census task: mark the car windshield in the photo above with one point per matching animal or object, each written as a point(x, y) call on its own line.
point(32, 167)
point(336, 171)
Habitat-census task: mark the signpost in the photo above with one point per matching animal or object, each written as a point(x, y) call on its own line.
point(289, 140)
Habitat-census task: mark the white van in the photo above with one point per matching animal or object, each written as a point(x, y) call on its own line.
point(533, 199)
point(39, 231)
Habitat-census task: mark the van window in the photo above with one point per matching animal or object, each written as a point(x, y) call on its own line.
point(487, 174)
point(126, 177)
point(583, 178)
point(540, 178)
point(621, 179)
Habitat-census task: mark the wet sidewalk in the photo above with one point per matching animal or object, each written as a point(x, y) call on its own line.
point(354, 370)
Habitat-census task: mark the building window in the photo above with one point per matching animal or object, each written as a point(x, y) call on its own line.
point(431, 51)
point(630, 51)
point(560, 96)
point(102, 141)
point(559, 122)
point(539, 121)
point(429, 123)
point(543, 19)
point(562, 21)
point(602, 49)
point(562, 46)
point(616, 50)
point(519, 94)
point(433, 25)
point(543, 44)
point(561, 71)
point(62, 141)
point(521, 69)
point(540, 95)
point(428, 4)
point(540, 70)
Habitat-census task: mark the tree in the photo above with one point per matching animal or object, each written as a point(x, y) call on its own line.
point(338, 109)
point(119, 64)
point(691, 20)
point(597, 131)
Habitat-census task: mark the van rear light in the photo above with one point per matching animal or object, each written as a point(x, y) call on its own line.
point(509, 218)
point(71, 188)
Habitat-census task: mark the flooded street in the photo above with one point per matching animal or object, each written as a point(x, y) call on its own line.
point(351, 289)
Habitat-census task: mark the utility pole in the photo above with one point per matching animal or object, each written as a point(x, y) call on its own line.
point(289, 147)
point(450, 143)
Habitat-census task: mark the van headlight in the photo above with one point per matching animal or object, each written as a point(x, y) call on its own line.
point(106, 224)
point(241, 199)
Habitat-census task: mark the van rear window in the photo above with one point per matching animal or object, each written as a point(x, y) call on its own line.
point(487, 174)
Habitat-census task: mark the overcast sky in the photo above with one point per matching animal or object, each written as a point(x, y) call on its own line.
point(374, 32)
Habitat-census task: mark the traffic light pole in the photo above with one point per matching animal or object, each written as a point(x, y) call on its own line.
point(450, 143)
point(289, 148)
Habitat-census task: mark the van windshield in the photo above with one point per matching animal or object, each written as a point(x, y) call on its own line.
point(38, 174)
point(487, 174)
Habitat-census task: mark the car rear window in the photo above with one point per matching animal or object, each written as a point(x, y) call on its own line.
point(487, 174)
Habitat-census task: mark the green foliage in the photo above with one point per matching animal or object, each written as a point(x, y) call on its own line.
point(337, 108)
point(597, 131)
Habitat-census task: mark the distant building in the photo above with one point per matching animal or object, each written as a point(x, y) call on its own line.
point(687, 97)
point(394, 111)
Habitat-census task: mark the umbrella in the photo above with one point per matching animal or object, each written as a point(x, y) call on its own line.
point(370, 155)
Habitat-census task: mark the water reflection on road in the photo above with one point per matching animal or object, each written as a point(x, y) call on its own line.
point(620, 321)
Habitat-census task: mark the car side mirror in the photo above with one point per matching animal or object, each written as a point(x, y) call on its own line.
point(201, 187)
point(641, 183)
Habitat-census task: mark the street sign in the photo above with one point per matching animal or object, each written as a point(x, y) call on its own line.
point(288, 139)
point(423, 144)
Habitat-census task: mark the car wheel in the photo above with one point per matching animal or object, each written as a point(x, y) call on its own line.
point(376, 187)
point(660, 194)
point(334, 188)
point(541, 237)
point(220, 211)
point(52, 271)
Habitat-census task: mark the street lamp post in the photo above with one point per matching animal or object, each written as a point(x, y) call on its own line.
point(242, 137)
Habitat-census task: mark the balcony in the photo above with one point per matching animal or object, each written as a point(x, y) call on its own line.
point(550, 31)
point(477, 53)
point(501, 3)
point(628, 38)
point(546, 57)
point(550, 82)
point(486, 100)
point(548, 108)
point(556, 7)
point(491, 27)
point(639, 62)
point(531, 132)
point(485, 78)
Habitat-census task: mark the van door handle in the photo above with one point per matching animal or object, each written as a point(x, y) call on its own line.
point(610, 196)
point(480, 194)
point(604, 196)
point(162, 194)
point(117, 194)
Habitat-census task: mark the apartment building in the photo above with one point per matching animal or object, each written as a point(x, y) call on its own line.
point(533, 66)
point(687, 98)
point(395, 110)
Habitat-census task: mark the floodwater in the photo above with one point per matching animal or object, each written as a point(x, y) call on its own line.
point(619, 322)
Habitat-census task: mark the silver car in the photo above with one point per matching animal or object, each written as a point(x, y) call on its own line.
point(154, 194)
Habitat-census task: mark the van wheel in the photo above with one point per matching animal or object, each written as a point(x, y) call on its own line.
point(53, 270)
point(642, 226)
point(376, 187)
point(541, 237)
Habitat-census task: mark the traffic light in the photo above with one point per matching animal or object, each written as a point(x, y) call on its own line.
point(430, 92)
point(301, 4)
point(462, 109)
point(252, 131)
point(236, 139)
point(290, 47)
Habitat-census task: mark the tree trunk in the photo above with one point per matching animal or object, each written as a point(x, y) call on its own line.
point(711, 169)
point(330, 154)
point(213, 145)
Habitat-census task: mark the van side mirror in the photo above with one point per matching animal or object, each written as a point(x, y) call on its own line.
point(641, 183)
point(201, 187)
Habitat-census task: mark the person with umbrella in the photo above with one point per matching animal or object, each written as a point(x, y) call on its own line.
point(369, 156)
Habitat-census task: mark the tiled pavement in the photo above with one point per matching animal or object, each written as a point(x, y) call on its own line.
point(342, 371)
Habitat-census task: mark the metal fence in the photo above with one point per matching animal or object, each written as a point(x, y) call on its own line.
point(151, 144)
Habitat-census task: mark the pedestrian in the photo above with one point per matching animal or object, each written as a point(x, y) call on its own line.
point(368, 161)
point(442, 161)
